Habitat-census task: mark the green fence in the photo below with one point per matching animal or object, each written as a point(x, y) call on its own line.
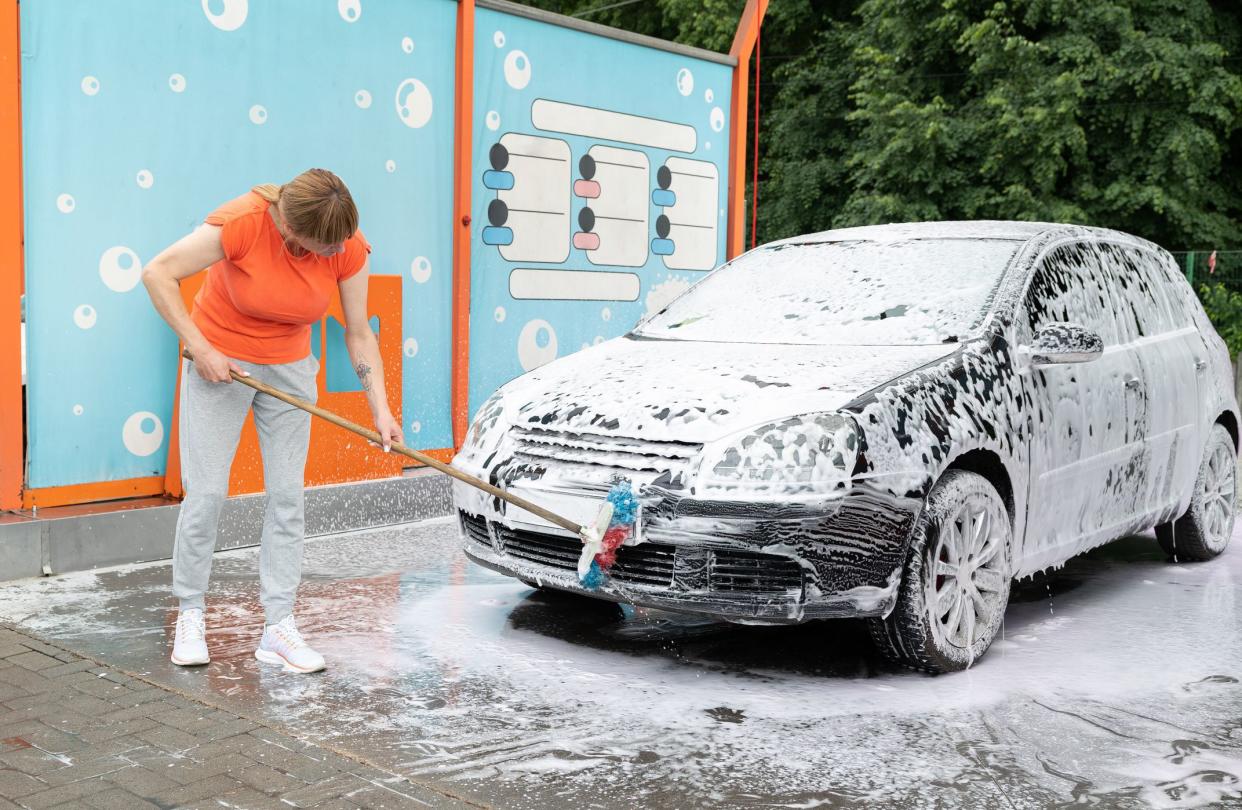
point(1197, 265)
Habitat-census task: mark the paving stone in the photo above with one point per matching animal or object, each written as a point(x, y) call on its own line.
point(64, 793)
point(202, 789)
point(68, 668)
point(39, 646)
point(15, 784)
point(168, 738)
point(196, 770)
point(26, 679)
point(251, 799)
point(332, 788)
point(30, 761)
point(8, 648)
point(141, 781)
point(231, 728)
point(117, 799)
point(105, 731)
point(268, 779)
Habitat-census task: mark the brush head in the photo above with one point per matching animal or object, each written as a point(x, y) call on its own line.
point(614, 524)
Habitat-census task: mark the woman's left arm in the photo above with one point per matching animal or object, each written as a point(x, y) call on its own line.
point(364, 353)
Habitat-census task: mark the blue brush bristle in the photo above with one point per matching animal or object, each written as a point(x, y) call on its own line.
point(624, 504)
point(594, 578)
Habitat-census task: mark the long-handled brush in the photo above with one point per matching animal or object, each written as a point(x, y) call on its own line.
point(613, 524)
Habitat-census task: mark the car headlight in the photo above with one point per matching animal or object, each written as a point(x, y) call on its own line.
point(809, 455)
point(485, 430)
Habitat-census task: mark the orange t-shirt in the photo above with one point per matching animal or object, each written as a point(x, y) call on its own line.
point(259, 301)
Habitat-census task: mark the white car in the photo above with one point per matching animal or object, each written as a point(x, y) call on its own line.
point(890, 422)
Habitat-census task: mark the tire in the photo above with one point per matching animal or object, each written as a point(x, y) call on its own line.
point(1203, 532)
point(939, 551)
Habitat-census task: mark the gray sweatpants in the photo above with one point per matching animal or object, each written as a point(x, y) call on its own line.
point(211, 420)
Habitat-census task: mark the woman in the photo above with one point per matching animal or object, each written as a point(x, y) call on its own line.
point(273, 258)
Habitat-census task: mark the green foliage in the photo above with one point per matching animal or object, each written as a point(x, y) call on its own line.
point(1117, 113)
point(1224, 309)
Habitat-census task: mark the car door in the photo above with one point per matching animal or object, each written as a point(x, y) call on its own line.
point(1079, 429)
point(1166, 347)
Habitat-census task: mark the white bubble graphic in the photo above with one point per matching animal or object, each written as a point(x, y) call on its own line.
point(231, 18)
point(413, 103)
point(120, 268)
point(363, 99)
point(258, 114)
point(493, 120)
point(499, 314)
point(390, 166)
point(416, 426)
point(707, 144)
point(420, 269)
point(717, 119)
point(77, 410)
point(517, 69)
point(176, 83)
point(411, 347)
point(499, 39)
point(407, 45)
point(66, 203)
point(709, 96)
point(84, 316)
point(350, 10)
point(662, 294)
point(606, 314)
point(685, 81)
point(145, 179)
point(143, 433)
point(536, 344)
point(90, 85)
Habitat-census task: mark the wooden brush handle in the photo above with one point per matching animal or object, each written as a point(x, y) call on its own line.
point(397, 447)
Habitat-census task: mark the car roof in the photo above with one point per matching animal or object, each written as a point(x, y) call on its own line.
point(964, 229)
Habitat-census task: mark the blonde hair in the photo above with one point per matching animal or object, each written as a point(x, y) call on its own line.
point(314, 205)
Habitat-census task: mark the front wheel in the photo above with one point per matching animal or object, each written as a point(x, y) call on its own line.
point(1204, 531)
point(956, 580)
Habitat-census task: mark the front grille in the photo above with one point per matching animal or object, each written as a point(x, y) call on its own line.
point(728, 570)
point(645, 564)
point(614, 453)
point(751, 572)
point(475, 529)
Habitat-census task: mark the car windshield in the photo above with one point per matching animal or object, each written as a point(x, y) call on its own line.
point(911, 292)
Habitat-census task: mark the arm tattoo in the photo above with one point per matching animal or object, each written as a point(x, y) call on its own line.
point(364, 375)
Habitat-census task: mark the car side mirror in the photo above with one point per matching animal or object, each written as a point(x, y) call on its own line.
point(1061, 343)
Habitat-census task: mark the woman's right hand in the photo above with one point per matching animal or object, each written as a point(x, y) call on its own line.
point(213, 366)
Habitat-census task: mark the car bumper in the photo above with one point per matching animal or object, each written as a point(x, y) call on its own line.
point(750, 563)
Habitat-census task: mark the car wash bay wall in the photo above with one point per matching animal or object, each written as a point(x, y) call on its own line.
point(587, 169)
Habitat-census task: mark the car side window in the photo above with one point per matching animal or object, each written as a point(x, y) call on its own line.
point(1070, 285)
point(1177, 290)
point(1142, 303)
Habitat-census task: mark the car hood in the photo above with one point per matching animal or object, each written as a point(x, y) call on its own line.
point(690, 391)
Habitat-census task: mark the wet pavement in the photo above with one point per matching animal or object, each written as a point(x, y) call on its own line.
point(1116, 684)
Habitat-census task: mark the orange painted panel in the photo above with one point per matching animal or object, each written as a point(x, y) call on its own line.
point(91, 493)
point(12, 461)
point(336, 455)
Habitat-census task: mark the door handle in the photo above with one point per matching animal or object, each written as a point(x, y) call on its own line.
point(1133, 382)
point(1200, 365)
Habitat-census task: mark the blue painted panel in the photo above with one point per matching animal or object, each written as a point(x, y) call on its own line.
point(543, 125)
point(148, 115)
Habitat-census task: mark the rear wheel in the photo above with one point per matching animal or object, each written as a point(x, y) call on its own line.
point(956, 580)
point(1204, 531)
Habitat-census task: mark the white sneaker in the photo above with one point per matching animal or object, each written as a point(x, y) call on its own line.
point(283, 644)
point(190, 643)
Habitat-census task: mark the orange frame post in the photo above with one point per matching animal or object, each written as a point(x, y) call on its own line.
point(12, 265)
point(463, 151)
point(743, 47)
